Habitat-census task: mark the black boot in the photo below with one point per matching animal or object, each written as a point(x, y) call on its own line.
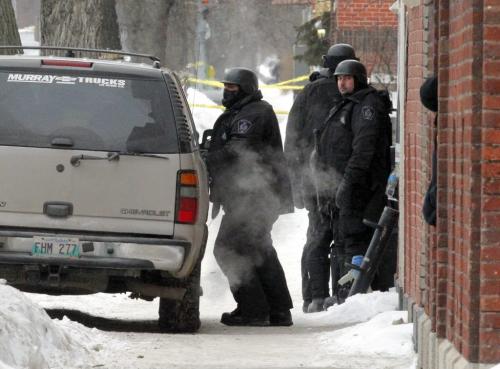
point(281, 318)
point(316, 305)
point(235, 318)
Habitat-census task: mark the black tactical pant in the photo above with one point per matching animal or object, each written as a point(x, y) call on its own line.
point(351, 236)
point(315, 261)
point(245, 253)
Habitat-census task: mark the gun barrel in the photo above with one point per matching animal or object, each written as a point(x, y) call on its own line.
point(375, 252)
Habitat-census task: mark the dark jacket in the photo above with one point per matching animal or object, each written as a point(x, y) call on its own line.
point(355, 147)
point(245, 159)
point(429, 98)
point(309, 111)
point(429, 209)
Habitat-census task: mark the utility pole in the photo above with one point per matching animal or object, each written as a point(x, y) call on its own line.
point(202, 35)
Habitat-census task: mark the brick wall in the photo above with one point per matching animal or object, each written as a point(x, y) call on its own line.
point(365, 14)
point(371, 28)
point(489, 228)
point(459, 260)
point(473, 275)
point(417, 153)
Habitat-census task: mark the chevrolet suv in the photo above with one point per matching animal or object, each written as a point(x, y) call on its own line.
point(103, 185)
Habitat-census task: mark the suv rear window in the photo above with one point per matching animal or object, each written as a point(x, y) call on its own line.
point(88, 111)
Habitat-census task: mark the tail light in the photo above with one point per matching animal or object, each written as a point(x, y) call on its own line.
point(187, 197)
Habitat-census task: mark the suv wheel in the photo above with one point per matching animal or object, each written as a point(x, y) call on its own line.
point(183, 316)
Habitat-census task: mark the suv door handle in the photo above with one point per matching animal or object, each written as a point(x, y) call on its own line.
point(58, 209)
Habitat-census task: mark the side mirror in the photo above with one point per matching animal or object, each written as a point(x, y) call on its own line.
point(206, 139)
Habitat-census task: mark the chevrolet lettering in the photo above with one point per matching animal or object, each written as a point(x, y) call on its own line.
point(146, 212)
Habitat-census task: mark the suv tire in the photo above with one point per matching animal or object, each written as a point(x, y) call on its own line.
point(183, 316)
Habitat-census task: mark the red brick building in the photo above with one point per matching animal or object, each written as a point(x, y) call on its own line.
point(450, 274)
point(371, 27)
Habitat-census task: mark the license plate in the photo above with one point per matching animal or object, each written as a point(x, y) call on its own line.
point(55, 246)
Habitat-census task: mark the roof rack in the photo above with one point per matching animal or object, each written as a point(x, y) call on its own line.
point(70, 50)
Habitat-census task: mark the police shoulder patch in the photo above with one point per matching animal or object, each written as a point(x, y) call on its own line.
point(367, 112)
point(243, 126)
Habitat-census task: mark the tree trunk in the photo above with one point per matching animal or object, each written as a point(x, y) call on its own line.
point(143, 25)
point(9, 35)
point(164, 28)
point(79, 23)
point(181, 35)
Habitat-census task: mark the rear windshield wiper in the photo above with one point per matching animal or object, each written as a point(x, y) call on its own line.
point(116, 155)
point(76, 159)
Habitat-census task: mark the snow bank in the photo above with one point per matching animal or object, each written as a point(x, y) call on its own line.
point(385, 334)
point(355, 309)
point(30, 339)
point(203, 116)
point(28, 39)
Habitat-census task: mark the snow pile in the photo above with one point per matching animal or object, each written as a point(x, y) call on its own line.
point(385, 341)
point(203, 116)
point(281, 100)
point(356, 309)
point(386, 333)
point(103, 305)
point(28, 39)
point(30, 339)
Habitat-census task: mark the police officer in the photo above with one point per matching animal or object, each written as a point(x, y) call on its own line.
point(429, 98)
point(308, 112)
point(249, 178)
point(354, 152)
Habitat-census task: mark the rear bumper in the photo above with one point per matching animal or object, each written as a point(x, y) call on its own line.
point(98, 251)
point(82, 262)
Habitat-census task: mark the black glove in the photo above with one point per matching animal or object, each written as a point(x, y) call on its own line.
point(204, 155)
point(343, 195)
point(215, 209)
point(314, 76)
point(298, 199)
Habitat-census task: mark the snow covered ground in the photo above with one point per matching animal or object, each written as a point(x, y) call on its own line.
point(28, 39)
point(365, 332)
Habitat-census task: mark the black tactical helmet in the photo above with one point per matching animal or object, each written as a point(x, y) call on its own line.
point(245, 78)
point(429, 94)
point(353, 68)
point(338, 53)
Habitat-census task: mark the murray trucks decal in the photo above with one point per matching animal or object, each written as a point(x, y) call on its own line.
point(65, 80)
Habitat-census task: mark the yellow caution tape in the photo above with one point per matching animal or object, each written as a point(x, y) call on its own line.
point(295, 80)
point(279, 86)
point(220, 107)
point(206, 82)
point(282, 87)
point(209, 106)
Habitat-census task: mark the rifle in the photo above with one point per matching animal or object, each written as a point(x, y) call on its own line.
point(313, 164)
point(204, 147)
point(376, 250)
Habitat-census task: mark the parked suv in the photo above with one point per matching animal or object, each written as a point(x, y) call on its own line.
point(103, 187)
